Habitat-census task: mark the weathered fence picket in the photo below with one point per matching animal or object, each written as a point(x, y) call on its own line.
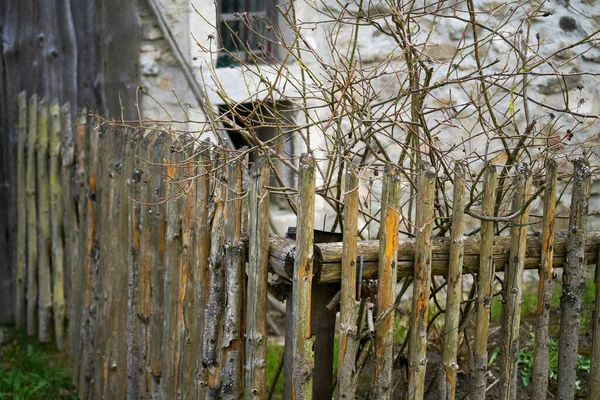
point(541, 366)
point(386, 283)
point(148, 255)
point(453, 298)
point(574, 274)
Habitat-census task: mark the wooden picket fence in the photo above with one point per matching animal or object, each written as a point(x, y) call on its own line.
point(147, 255)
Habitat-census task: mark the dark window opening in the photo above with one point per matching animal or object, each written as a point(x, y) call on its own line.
point(245, 30)
point(269, 123)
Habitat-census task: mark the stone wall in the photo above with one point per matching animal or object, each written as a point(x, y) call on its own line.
point(449, 53)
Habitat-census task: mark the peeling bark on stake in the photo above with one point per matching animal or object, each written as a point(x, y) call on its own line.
point(213, 324)
point(21, 275)
point(303, 357)
point(32, 239)
point(43, 206)
point(386, 284)
point(417, 359)
point(541, 365)
point(574, 275)
point(348, 331)
point(454, 293)
point(56, 209)
point(233, 330)
point(258, 256)
point(201, 277)
point(513, 287)
point(485, 278)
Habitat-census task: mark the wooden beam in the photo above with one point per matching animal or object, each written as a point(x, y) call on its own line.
point(328, 256)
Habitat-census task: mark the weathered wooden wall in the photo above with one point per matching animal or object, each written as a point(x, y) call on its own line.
point(81, 52)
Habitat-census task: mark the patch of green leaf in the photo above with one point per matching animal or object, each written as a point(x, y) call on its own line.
point(32, 370)
point(526, 361)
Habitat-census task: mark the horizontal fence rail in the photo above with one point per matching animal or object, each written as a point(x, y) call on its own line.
point(147, 255)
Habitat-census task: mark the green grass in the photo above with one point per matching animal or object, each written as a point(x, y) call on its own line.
point(274, 354)
point(32, 370)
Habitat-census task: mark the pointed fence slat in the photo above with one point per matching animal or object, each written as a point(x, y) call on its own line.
point(484, 284)
point(21, 274)
point(302, 345)
point(417, 359)
point(348, 331)
point(574, 275)
point(541, 365)
point(256, 306)
point(454, 293)
point(386, 283)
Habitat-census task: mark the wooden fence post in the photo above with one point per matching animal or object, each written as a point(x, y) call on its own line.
point(303, 357)
point(43, 205)
point(201, 276)
point(21, 275)
point(106, 246)
point(135, 345)
point(235, 255)
point(57, 218)
point(574, 274)
point(88, 261)
point(541, 366)
point(186, 305)
point(386, 284)
point(171, 352)
point(454, 293)
point(348, 331)
point(417, 359)
point(211, 351)
point(258, 267)
point(513, 285)
point(485, 279)
point(71, 228)
point(143, 169)
point(158, 227)
point(32, 239)
point(79, 279)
